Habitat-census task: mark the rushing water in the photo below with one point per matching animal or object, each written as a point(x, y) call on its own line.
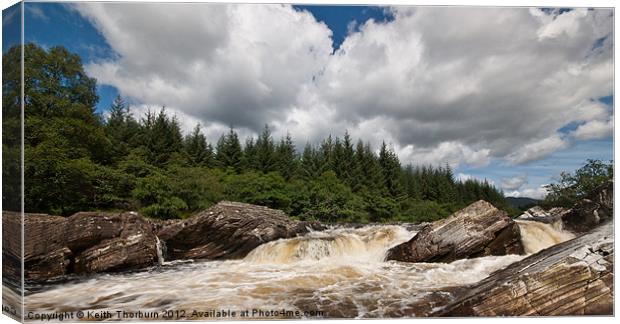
point(537, 235)
point(341, 272)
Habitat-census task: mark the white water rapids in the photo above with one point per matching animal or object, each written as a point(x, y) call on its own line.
point(339, 271)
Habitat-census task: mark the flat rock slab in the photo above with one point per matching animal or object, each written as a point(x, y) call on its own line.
point(571, 278)
point(228, 230)
point(477, 230)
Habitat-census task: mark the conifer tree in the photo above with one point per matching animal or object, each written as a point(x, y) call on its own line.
point(228, 151)
point(199, 152)
point(286, 159)
point(265, 152)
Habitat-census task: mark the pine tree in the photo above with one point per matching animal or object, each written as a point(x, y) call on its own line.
point(228, 151)
point(309, 163)
point(249, 155)
point(121, 128)
point(199, 152)
point(390, 167)
point(286, 160)
point(326, 155)
point(265, 152)
point(161, 136)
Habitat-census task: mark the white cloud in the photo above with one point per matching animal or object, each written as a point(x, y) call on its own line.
point(451, 153)
point(490, 83)
point(239, 65)
point(594, 129)
point(36, 11)
point(536, 193)
point(515, 182)
point(463, 176)
point(538, 149)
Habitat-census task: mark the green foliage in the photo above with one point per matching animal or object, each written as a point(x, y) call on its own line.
point(76, 160)
point(199, 152)
point(156, 193)
point(572, 187)
point(228, 151)
point(423, 211)
point(331, 200)
point(253, 187)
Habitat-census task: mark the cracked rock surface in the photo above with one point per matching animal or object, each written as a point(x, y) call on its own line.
point(571, 278)
point(86, 242)
point(477, 230)
point(228, 230)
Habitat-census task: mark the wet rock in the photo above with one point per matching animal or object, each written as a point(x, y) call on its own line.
point(228, 230)
point(83, 243)
point(477, 230)
point(571, 278)
point(585, 215)
point(133, 246)
point(588, 213)
point(538, 214)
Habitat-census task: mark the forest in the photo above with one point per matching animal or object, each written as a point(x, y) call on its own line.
point(76, 159)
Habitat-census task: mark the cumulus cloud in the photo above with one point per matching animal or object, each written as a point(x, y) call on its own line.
point(538, 149)
point(536, 193)
point(515, 182)
point(239, 65)
point(595, 129)
point(490, 83)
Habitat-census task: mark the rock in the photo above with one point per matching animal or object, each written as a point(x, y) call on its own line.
point(83, 243)
point(228, 230)
point(477, 230)
point(585, 215)
point(597, 208)
point(133, 246)
point(538, 214)
point(571, 278)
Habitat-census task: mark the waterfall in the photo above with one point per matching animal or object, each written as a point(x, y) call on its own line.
point(341, 270)
point(363, 244)
point(161, 248)
point(536, 236)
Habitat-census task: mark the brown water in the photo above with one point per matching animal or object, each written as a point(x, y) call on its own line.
point(538, 236)
point(340, 272)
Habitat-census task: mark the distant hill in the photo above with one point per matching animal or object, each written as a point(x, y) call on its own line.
point(521, 202)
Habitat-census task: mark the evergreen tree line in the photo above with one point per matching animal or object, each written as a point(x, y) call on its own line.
point(77, 160)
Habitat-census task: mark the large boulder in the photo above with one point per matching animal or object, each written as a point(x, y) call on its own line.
point(128, 243)
point(228, 230)
point(83, 243)
point(477, 230)
point(538, 214)
point(571, 278)
point(596, 208)
point(583, 216)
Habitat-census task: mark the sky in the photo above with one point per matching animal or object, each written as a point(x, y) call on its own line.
point(511, 95)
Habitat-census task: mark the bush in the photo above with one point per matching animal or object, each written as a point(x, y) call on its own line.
point(423, 211)
point(572, 187)
point(268, 190)
point(156, 195)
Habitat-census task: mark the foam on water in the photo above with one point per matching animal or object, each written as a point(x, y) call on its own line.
point(335, 270)
point(536, 236)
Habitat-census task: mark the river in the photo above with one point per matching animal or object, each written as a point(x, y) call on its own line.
point(339, 272)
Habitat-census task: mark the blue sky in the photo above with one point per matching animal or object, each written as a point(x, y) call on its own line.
point(424, 127)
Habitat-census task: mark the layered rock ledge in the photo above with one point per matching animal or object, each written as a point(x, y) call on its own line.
point(82, 243)
point(477, 230)
point(92, 242)
point(229, 230)
point(571, 278)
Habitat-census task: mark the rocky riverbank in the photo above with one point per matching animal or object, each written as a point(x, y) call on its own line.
point(574, 277)
point(95, 242)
